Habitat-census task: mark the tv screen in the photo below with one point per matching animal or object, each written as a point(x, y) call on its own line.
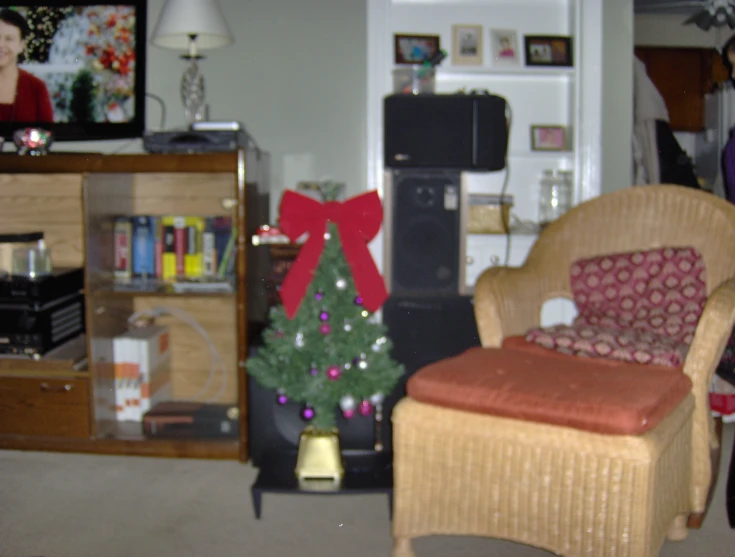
point(76, 68)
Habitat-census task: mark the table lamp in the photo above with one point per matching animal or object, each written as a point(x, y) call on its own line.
point(192, 25)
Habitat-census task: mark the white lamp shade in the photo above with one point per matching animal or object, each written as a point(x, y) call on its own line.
point(181, 18)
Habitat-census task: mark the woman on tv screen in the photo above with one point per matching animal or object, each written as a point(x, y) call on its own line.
point(23, 97)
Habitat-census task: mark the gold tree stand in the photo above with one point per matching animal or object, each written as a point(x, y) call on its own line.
point(319, 456)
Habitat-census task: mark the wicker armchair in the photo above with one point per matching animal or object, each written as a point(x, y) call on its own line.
point(569, 491)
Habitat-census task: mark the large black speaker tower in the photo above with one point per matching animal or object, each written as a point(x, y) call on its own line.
point(424, 230)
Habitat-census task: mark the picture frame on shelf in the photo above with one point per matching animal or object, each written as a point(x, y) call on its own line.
point(505, 48)
point(548, 50)
point(414, 49)
point(467, 45)
point(549, 138)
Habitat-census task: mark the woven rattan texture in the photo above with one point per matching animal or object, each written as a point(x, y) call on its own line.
point(573, 492)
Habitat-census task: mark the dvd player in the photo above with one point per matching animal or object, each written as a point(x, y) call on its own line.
point(38, 291)
point(194, 141)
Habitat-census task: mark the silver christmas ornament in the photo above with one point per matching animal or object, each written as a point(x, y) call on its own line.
point(377, 399)
point(347, 403)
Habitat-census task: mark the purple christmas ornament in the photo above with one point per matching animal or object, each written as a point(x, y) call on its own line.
point(313, 372)
point(358, 301)
point(319, 295)
point(308, 413)
point(281, 399)
point(324, 316)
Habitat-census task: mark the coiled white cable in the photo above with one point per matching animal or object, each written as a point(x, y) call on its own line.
point(216, 360)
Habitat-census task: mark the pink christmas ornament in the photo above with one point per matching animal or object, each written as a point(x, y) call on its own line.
point(365, 408)
point(333, 373)
point(325, 328)
point(349, 414)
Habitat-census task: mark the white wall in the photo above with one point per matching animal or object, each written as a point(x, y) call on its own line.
point(295, 77)
point(617, 94)
point(669, 30)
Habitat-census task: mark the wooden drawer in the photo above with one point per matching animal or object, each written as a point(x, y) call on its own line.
point(48, 407)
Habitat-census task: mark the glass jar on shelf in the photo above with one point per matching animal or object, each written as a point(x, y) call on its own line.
point(555, 195)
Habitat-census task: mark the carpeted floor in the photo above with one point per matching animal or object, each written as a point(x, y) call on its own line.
point(67, 505)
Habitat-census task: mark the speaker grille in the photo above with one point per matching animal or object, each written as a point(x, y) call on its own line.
point(426, 220)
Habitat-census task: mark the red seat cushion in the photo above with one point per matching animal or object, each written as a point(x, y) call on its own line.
point(525, 381)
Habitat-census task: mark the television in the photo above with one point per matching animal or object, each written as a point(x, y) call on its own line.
point(90, 57)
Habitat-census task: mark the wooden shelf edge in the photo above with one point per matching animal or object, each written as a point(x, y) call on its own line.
point(214, 449)
point(104, 293)
point(71, 162)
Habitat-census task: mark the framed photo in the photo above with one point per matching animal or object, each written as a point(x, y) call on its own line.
point(548, 138)
point(548, 50)
point(415, 49)
point(504, 47)
point(467, 45)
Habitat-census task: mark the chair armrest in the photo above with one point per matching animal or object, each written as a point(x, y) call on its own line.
point(710, 338)
point(508, 302)
point(713, 331)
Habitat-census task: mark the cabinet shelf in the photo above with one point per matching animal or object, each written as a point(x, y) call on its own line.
point(164, 291)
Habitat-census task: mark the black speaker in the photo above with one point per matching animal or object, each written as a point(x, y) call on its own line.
point(466, 132)
point(425, 329)
point(424, 233)
point(275, 427)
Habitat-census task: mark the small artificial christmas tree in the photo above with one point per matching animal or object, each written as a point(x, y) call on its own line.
point(323, 347)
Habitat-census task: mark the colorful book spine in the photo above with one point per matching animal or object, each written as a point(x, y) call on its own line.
point(180, 246)
point(123, 233)
point(209, 250)
point(144, 257)
point(168, 257)
point(158, 247)
point(194, 256)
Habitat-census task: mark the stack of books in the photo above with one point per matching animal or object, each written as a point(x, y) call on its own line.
point(172, 249)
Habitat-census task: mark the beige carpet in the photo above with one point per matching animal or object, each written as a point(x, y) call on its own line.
point(66, 505)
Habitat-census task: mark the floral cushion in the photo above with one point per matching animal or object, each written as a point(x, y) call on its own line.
point(637, 307)
point(629, 345)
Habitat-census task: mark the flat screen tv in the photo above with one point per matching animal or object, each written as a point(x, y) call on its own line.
point(80, 68)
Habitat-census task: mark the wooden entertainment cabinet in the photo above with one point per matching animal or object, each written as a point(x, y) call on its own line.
point(51, 404)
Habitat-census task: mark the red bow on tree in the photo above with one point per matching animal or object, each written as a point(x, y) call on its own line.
point(358, 221)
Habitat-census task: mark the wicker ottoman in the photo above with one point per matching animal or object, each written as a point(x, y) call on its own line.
point(574, 455)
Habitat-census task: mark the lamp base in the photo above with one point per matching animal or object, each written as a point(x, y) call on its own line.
point(192, 92)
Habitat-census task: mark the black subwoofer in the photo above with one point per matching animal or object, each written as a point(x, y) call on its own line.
point(424, 330)
point(424, 231)
point(275, 427)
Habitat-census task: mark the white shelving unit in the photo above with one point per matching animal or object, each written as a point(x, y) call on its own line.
point(565, 96)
